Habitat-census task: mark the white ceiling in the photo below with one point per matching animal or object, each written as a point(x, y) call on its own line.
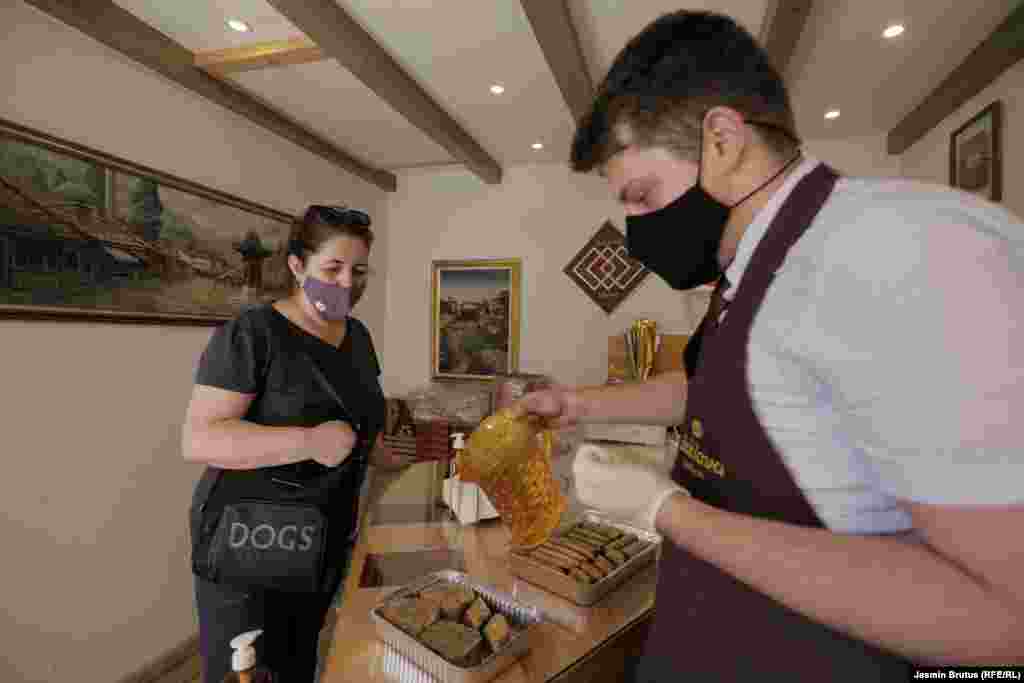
point(456, 49)
point(605, 26)
point(202, 24)
point(843, 62)
point(330, 101)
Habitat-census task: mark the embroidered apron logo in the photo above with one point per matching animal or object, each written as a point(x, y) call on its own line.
point(690, 446)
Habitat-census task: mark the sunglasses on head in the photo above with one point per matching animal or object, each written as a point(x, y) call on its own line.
point(338, 215)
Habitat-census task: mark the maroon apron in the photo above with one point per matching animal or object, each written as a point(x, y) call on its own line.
point(708, 625)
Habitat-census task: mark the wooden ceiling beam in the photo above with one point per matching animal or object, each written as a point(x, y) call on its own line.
point(259, 56)
point(342, 38)
point(560, 42)
point(118, 29)
point(1003, 48)
point(784, 22)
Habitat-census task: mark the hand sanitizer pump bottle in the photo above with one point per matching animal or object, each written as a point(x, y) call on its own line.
point(243, 661)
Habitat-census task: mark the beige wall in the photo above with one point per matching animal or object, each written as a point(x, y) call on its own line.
point(928, 159)
point(542, 214)
point(95, 577)
point(859, 156)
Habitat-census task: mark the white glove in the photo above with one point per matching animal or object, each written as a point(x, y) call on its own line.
point(631, 490)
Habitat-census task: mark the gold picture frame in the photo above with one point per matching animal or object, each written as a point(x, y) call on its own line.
point(475, 318)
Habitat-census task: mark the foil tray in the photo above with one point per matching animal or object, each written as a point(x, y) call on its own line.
point(521, 617)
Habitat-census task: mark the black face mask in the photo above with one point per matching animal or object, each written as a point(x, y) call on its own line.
point(679, 242)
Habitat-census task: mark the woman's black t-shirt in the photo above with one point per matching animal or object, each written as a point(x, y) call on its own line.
point(265, 354)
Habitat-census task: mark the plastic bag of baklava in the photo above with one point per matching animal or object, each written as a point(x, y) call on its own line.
point(510, 459)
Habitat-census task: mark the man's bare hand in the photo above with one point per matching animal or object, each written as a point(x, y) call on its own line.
point(560, 406)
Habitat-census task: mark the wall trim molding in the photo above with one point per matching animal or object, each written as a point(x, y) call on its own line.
point(163, 667)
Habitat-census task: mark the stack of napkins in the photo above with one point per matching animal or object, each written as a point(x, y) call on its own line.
point(650, 435)
point(467, 501)
point(658, 456)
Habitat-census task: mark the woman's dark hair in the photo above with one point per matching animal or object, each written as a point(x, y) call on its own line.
point(664, 81)
point(321, 223)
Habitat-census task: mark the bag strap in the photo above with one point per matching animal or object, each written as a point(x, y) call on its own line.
point(212, 476)
point(329, 388)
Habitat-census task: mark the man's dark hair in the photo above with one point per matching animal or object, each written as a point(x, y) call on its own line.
point(665, 80)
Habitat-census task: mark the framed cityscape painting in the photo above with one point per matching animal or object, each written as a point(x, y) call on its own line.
point(85, 235)
point(976, 155)
point(475, 307)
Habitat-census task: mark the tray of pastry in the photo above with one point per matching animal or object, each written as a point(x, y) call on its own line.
point(587, 559)
point(456, 630)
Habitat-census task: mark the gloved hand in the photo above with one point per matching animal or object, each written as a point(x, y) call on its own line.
point(627, 489)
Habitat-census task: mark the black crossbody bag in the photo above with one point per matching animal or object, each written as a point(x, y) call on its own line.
point(273, 544)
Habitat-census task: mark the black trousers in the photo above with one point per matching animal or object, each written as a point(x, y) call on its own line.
point(291, 624)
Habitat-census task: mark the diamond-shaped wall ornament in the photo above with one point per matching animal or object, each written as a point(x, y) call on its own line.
point(604, 270)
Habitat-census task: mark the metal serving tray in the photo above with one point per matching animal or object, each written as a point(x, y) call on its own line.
point(520, 617)
point(587, 593)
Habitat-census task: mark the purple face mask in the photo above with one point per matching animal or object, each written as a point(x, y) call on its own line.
point(332, 302)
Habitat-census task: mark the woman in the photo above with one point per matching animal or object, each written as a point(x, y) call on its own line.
point(288, 408)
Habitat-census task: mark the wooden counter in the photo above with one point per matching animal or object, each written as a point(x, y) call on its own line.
point(401, 542)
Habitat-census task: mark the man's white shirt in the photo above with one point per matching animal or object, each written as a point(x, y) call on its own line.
point(887, 359)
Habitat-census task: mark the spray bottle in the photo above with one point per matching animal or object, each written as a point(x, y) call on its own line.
point(458, 443)
point(455, 475)
point(466, 500)
point(243, 661)
point(451, 489)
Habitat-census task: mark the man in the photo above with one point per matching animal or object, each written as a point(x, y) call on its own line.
point(848, 494)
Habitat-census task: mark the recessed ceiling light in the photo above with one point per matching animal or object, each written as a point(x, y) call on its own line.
point(893, 31)
point(537, 145)
point(497, 89)
point(239, 25)
point(832, 114)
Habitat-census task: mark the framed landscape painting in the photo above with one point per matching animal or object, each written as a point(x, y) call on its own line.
point(84, 235)
point(475, 318)
point(976, 155)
